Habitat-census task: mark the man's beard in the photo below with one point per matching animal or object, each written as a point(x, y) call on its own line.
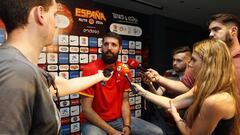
point(109, 60)
point(228, 40)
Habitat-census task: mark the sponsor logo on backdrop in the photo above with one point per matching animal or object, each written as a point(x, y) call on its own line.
point(137, 72)
point(132, 72)
point(73, 40)
point(124, 51)
point(90, 16)
point(74, 110)
point(91, 31)
point(2, 36)
point(124, 44)
point(92, 57)
point(100, 42)
point(83, 41)
point(131, 94)
point(63, 49)
point(132, 45)
point(64, 75)
point(138, 45)
point(75, 101)
point(64, 103)
point(138, 113)
point(65, 121)
point(63, 58)
point(139, 58)
point(119, 57)
point(131, 101)
point(125, 18)
point(84, 50)
point(93, 42)
point(3, 33)
point(42, 59)
point(52, 68)
point(138, 100)
point(128, 30)
point(74, 67)
point(138, 106)
point(138, 52)
point(52, 58)
point(75, 119)
point(75, 127)
point(124, 58)
point(63, 67)
point(74, 58)
point(131, 56)
point(64, 97)
point(93, 50)
point(74, 49)
point(73, 74)
point(65, 129)
point(65, 112)
point(83, 58)
point(63, 39)
point(131, 51)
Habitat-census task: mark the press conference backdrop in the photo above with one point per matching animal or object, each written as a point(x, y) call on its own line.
point(81, 27)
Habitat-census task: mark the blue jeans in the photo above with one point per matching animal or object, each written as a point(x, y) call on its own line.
point(138, 127)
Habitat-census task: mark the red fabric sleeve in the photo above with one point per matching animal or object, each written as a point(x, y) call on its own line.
point(188, 79)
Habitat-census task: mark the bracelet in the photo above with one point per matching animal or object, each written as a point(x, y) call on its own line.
point(127, 126)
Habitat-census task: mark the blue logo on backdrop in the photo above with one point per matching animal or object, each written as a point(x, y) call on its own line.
point(1, 36)
point(125, 44)
point(137, 71)
point(63, 58)
point(93, 42)
point(74, 74)
point(131, 56)
point(65, 130)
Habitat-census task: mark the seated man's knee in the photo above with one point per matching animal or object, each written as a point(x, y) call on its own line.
point(89, 129)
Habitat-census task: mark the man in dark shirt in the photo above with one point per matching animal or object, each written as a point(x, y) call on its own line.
point(159, 116)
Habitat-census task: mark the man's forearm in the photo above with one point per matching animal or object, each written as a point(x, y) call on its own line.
point(173, 85)
point(126, 114)
point(75, 85)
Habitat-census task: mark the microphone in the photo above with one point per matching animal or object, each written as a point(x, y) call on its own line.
point(107, 73)
point(133, 63)
point(125, 71)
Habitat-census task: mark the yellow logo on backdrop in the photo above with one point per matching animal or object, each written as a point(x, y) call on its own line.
point(85, 13)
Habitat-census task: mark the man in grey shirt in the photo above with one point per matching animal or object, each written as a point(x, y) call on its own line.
point(26, 105)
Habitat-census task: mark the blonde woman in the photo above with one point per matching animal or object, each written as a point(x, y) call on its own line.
point(213, 100)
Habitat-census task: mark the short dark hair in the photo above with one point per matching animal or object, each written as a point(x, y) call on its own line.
point(113, 35)
point(14, 13)
point(181, 49)
point(226, 18)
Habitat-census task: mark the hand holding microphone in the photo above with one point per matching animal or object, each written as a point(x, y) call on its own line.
point(107, 73)
point(133, 63)
point(148, 74)
point(125, 71)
